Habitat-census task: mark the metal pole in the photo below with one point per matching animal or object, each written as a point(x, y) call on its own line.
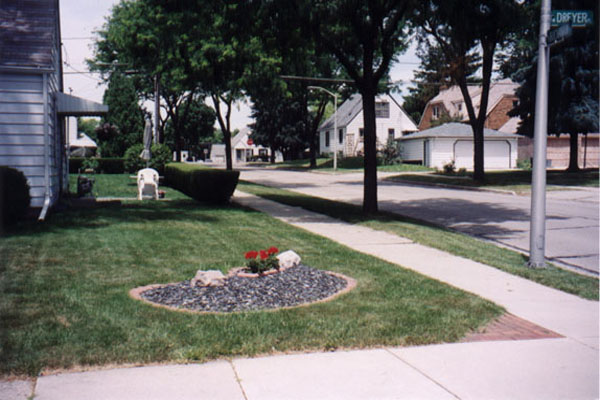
point(540, 135)
point(335, 134)
point(156, 108)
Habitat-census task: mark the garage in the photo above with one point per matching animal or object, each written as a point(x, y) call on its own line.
point(438, 146)
point(497, 154)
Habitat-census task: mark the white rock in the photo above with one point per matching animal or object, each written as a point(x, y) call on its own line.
point(288, 259)
point(208, 278)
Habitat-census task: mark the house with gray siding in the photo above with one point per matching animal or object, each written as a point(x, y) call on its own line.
point(33, 107)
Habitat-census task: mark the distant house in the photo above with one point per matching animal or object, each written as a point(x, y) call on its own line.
point(33, 106)
point(450, 102)
point(443, 144)
point(80, 144)
point(391, 122)
point(243, 149)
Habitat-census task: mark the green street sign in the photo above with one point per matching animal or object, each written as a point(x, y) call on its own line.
point(577, 18)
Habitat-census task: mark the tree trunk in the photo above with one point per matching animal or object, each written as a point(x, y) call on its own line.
point(225, 129)
point(573, 153)
point(370, 147)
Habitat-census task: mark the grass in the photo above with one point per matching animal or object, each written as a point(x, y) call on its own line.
point(346, 164)
point(517, 181)
point(64, 290)
point(437, 237)
point(119, 185)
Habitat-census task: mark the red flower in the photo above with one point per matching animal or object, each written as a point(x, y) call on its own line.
point(273, 250)
point(251, 255)
point(264, 255)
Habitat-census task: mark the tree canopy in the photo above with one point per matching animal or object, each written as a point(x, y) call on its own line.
point(462, 30)
point(573, 83)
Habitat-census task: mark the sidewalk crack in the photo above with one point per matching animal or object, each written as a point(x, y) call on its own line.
point(422, 373)
point(238, 380)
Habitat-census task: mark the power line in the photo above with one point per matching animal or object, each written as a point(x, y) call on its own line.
point(79, 38)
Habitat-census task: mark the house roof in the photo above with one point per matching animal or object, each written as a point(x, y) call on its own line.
point(67, 104)
point(28, 33)
point(452, 97)
point(456, 130)
point(241, 137)
point(345, 113)
point(351, 108)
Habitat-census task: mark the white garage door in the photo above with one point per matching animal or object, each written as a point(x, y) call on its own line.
point(496, 154)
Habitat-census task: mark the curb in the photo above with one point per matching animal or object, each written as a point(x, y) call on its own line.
point(450, 186)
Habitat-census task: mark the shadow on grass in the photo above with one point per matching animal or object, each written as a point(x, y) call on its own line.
point(112, 214)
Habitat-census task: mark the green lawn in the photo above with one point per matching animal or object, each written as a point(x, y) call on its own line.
point(436, 237)
point(120, 186)
point(518, 181)
point(64, 290)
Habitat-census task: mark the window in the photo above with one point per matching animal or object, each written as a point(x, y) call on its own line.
point(391, 133)
point(459, 106)
point(382, 109)
point(435, 111)
point(327, 139)
point(341, 136)
point(361, 132)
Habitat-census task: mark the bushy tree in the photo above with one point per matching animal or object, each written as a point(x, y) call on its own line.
point(364, 36)
point(124, 113)
point(462, 30)
point(198, 127)
point(573, 84)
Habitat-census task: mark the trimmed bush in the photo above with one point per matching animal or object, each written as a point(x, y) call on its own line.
point(201, 183)
point(105, 165)
point(161, 155)
point(14, 195)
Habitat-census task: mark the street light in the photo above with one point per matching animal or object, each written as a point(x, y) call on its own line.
point(335, 133)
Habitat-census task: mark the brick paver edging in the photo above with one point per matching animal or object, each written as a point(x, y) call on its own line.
point(510, 327)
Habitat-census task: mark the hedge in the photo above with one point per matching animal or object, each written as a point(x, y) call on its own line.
point(105, 165)
point(201, 183)
point(14, 196)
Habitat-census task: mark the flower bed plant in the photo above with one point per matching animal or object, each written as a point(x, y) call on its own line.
point(261, 261)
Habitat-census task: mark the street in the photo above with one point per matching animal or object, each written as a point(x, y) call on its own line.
point(572, 216)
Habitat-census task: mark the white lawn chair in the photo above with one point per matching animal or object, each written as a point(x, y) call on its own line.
point(147, 181)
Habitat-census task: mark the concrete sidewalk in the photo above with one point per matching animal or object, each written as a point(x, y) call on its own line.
point(563, 368)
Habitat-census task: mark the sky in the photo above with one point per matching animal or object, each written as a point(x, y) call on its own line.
point(81, 18)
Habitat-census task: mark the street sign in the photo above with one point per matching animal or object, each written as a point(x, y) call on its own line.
point(559, 35)
point(577, 18)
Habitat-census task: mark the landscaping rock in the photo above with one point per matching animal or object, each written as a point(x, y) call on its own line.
point(288, 259)
point(208, 278)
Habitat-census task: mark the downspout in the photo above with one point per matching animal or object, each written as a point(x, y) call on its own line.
point(46, 152)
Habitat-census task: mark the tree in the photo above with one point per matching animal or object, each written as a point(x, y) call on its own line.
point(462, 29)
point(429, 77)
point(124, 113)
point(140, 38)
point(286, 112)
point(198, 127)
point(364, 36)
point(88, 126)
point(573, 84)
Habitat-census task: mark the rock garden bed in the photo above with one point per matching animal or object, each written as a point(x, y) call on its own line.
point(290, 287)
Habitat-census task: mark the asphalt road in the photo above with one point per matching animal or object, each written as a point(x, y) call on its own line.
point(572, 216)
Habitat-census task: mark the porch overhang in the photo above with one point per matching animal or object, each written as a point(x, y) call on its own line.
point(67, 105)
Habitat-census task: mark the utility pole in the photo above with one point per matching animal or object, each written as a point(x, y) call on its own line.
point(335, 136)
point(537, 235)
point(156, 107)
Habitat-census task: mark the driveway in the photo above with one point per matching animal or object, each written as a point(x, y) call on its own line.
point(572, 216)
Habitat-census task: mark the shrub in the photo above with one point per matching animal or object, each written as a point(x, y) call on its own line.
point(14, 195)
point(449, 167)
point(161, 155)
point(524, 164)
point(200, 183)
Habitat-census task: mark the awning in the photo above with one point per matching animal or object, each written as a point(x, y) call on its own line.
point(78, 107)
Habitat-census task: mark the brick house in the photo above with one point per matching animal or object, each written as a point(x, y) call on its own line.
point(450, 102)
